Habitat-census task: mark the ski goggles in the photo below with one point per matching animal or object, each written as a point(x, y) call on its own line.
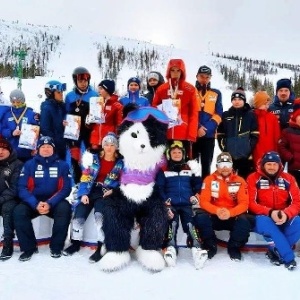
point(224, 164)
point(83, 76)
point(61, 87)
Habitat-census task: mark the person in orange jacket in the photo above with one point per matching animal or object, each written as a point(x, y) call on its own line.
point(184, 102)
point(223, 205)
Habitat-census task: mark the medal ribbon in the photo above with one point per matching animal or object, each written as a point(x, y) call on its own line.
point(18, 120)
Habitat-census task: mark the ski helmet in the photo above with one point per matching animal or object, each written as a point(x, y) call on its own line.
point(81, 73)
point(54, 85)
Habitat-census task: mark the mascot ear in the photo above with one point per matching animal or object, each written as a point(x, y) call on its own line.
point(128, 108)
point(157, 131)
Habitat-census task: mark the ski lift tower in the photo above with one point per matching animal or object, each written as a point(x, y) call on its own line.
point(21, 54)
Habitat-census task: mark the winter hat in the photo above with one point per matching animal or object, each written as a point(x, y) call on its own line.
point(224, 157)
point(270, 156)
point(152, 75)
point(17, 95)
point(45, 140)
point(204, 70)
point(109, 85)
point(134, 79)
point(5, 144)
point(261, 98)
point(296, 110)
point(283, 83)
point(239, 93)
point(110, 138)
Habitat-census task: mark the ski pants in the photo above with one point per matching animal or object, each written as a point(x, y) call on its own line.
point(284, 236)
point(239, 227)
point(60, 213)
point(6, 210)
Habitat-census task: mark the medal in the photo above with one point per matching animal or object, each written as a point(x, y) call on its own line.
point(17, 128)
point(77, 109)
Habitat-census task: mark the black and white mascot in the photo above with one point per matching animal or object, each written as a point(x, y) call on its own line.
point(142, 142)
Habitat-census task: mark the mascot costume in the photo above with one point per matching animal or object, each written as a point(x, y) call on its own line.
point(142, 142)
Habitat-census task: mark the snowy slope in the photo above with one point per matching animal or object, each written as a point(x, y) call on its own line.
point(74, 278)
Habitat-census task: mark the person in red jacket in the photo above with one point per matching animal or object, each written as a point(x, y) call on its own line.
point(289, 143)
point(224, 203)
point(275, 200)
point(112, 110)
point(268, 127)
point(184, 102)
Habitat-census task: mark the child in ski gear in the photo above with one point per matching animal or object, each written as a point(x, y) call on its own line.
point(268, 127)
point(238, 133)
point(179, 183)
point(100, 175)
point(154, 80)
point(13, 120)
point(133, 93)
point(53, 112)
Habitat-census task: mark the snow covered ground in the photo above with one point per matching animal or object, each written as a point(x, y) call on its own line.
point(75, 278)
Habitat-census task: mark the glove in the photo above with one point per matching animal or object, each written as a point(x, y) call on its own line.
point(87, 159)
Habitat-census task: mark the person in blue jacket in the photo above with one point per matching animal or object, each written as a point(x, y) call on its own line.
point(12, 121)
point(100, 175)
point(282, 105)
point(43, 186)
point(4, 107)
point(77, 103)
point(133, 94)
point(53, 113)
point(179, 183)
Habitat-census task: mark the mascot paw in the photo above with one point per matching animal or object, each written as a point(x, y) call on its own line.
point(152, 260)
point(87, 159)
point(195, 167)
point(170, 256)
point(113, 261)
point(199, 257)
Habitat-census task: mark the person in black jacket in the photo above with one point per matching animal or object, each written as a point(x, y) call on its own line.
point(10, 168)
point(154, 80)
point(238, 133)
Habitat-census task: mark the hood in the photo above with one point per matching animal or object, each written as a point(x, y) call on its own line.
point(178, 63)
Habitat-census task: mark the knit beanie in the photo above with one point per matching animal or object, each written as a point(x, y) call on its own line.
point(261, 98)
point(296, 110)
point(17, 95)
point(45, 140)
point(283, 83)
point(134, 79)
point(270, 156)
point(204, 70)
point(5, 144)
point(109, 85)
point(239, 93)
point(110, 138)
point(152, 75)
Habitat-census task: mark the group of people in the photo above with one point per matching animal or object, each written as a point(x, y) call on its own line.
point(249, 191)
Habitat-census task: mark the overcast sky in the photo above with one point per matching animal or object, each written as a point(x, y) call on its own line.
point(263, 29)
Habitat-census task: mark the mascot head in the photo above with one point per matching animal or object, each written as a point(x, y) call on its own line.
point(143, 137)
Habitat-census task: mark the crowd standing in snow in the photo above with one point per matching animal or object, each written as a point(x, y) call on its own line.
point(249, 191)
